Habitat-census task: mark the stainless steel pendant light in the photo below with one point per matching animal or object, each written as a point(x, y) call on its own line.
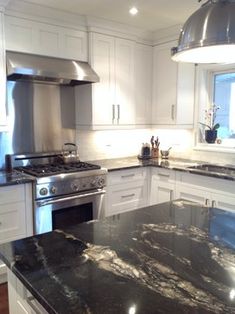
point(208, 36)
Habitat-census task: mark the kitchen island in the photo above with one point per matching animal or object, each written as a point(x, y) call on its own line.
point(174, 257)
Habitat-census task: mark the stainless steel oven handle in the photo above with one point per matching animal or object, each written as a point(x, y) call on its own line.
point(69, 198)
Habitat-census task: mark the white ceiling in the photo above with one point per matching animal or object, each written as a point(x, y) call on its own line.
point(153, 14)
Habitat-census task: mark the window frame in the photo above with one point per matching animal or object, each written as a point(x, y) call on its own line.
point(204, 94)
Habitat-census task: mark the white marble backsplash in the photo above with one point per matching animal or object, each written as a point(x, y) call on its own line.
point(94, 145)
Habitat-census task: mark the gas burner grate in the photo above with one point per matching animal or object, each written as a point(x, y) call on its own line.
point(52, 169)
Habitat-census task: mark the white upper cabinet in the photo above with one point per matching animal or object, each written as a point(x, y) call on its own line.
point(29, 36)
point(143, 83)
point(173, 89)
point(3, 116)
point(124, 81)
point(109, 103)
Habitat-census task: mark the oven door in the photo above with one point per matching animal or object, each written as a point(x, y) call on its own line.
point(62, 212)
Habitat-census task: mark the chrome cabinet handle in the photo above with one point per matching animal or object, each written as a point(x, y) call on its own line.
point(173, 112)
point(164, 175)
point(128, 195)
point(118, 114)
point(213, 204)
point(30, 301)
point(207, 202)
point(113, 112)
point(128, 175)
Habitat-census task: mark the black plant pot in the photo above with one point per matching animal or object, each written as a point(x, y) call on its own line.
point(210, 136)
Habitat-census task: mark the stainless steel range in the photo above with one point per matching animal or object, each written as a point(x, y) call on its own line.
point(64, 194)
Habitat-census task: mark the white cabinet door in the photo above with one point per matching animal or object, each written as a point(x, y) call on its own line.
point(16, 215)
point(103, 93)
point(143, 84)
point(3, 116)
point(173, 89)
point(124, 81)
point(193, 194)
point(223, 201)
point(75, 44)
point(30, 36)
point(164, 86)
point(162, 186)
point(108, 104)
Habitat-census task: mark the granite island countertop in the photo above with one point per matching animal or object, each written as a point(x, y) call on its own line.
point(174, 257)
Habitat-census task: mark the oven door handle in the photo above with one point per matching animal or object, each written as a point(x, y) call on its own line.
point(69, 198)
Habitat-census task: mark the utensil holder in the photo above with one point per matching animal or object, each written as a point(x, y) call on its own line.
point(155, 152)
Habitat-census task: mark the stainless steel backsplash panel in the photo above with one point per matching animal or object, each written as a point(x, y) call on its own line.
point(41, 118)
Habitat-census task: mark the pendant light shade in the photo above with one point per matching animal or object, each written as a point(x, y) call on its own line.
point(208, 36)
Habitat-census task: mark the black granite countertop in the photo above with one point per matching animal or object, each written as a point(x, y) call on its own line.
point(174, 257)
point(13, 178)
point(171, 163)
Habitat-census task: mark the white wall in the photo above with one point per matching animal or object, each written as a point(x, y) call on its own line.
point(95, 145)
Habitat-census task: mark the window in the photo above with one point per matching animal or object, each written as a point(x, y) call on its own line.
point(224, 96)
point(216, 85)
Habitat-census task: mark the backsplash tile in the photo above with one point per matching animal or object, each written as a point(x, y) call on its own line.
point(94, 145)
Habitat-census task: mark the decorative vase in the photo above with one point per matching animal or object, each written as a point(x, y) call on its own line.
point(210, 136)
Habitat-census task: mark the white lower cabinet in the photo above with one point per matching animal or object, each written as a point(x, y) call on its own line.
point(205, 190)
point(16, 215)
point(192, 194)
point(126, 190)
point(162, 186)
point(138, 187)
point(20, 299)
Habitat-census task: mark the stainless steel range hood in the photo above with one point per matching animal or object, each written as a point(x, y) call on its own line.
point(27, 67)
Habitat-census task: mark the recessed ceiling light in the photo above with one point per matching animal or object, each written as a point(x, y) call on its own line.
point(133, 11)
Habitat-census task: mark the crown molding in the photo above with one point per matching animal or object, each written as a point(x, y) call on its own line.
point(166, 35)
point(95, 24)
point(40, 13)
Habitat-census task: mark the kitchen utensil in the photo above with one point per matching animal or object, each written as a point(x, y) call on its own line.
point(155, 152)
point(165, 153)
point(145, 151)
point(70, 153)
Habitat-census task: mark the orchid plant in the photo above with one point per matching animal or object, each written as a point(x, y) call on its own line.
point(210, 116)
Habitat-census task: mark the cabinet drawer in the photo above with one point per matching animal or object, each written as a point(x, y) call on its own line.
point(164, 175)
point(11, 194)
point(124, 198)
point(12, 221)
point(128, 175)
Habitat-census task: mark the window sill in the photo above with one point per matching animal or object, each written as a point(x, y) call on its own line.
point(219, 148)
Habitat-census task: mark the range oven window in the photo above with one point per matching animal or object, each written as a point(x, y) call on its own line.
point(73, 215)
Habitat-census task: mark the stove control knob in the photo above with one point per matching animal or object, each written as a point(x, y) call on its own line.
point(53, 190)
point(75, 186)
point(101, 182)
point(43, 191)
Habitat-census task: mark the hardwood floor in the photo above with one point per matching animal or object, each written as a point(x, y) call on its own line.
point(4, 299)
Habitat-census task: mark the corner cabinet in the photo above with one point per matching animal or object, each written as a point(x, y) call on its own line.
point(3, 113)
point(110, 102)
point(173, 89)
point(162, 185)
